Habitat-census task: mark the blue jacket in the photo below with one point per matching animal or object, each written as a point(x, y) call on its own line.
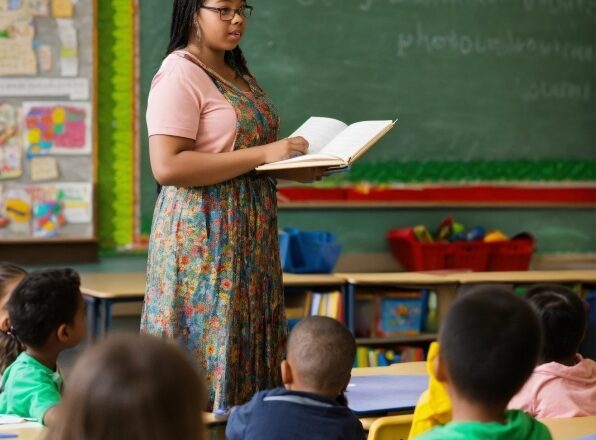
point(292, 415)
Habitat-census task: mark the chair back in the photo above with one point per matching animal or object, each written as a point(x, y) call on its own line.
point(391, 428)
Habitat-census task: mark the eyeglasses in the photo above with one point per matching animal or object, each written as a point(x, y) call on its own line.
point(227, 14)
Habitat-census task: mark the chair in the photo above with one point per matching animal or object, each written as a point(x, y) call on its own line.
point(391, 428)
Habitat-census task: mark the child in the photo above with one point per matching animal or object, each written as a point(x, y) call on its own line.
point(46, 311)
point(10, 348)
point(132, 387)
point(489, 345)
point(564, 383)
point(316, 372)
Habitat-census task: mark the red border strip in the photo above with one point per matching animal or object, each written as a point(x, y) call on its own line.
point(478, 194)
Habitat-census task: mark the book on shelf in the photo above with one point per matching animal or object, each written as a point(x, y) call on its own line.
point(367, 356)
point(332, 143)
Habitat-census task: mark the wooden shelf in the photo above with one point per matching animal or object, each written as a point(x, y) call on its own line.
point(424, 337)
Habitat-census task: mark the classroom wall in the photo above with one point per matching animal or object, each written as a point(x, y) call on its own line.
point(277, 48)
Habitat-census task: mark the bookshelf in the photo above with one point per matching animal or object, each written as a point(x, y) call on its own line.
point(388, 314)
point(314, 294)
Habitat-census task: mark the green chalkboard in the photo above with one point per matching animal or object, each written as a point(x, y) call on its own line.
point(469, 80)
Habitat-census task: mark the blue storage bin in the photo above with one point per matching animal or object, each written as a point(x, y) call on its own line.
point(311, 251)
point(284, 246)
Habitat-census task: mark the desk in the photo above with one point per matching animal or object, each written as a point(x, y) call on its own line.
point(103, 290)
point(215, 427)
point(521, 277)
point(571, 428)
point(405, 368)
point(25, 431)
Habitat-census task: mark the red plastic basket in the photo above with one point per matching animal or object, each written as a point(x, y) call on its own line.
point(473, 255)
point(513, 254)
point(416, 256)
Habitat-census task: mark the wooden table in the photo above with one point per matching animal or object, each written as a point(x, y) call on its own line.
point(215, 427)
point(571, 428)
point(103, 290)
point(520, 277)
point(24, 431)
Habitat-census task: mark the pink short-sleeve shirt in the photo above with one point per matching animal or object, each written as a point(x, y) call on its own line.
point(184, 101)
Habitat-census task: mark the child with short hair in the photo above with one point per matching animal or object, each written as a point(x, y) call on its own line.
point(46, 313)
point(564, 383)
point(489, 345)
point(316, 372)
point(135, 388)
point(10, 348)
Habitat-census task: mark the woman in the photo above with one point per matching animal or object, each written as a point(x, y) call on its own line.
point(214, 280)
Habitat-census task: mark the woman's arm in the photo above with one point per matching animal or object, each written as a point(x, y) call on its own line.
point(175, 162)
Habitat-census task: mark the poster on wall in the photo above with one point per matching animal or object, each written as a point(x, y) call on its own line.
point(11, 148)
point(57, 128)
point(17, 56)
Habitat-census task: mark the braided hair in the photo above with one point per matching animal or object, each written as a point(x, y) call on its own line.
point(10, 346)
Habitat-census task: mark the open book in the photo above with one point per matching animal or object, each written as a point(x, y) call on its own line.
point(331, 143)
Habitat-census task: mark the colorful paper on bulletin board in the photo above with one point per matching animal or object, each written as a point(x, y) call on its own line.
point(77, 199)
point(38, 7)
point(62, 8)
point(57, 128)
point(11, 147)
point(17, 56)
point(15, 214)
point(47, 211)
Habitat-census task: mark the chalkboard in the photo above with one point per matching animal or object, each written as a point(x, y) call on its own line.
point(468, 80)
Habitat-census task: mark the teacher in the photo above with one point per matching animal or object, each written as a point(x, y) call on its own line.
point(214, 280)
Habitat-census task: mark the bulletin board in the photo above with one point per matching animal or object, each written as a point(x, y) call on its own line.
point(47, 124)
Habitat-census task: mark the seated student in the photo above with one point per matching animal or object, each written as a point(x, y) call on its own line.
point(316, 372)
point(10, 348)
point(489, 345)
point(135, 388)
point(564, 383)
point(46, 312)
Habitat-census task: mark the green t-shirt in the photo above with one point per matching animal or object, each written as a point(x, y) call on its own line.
point(518, 426)
point(29, 388)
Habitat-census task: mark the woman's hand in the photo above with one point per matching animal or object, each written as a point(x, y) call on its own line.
point(285, 149)
point(304, 175)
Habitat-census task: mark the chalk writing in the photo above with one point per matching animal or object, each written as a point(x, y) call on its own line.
point(508, 44)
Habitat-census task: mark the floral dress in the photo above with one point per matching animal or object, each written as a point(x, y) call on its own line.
point(214, 280)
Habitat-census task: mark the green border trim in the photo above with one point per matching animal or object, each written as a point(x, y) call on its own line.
point(386, 173)
point(116, 112)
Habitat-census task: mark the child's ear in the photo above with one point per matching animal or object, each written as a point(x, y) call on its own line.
point(63, 333)
point(286, 373)
point(4, 322)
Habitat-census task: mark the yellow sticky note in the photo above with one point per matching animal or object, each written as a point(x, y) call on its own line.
point(62, 8)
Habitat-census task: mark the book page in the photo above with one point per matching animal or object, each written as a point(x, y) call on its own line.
point(318, 132)
point(346, 144)
point(307, 158)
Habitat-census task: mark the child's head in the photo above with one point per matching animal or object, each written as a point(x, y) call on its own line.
point(563, 317)
point(489, 345)
point(48, 304)
point(320, 356)
point(10, 276)
point(132, 387)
